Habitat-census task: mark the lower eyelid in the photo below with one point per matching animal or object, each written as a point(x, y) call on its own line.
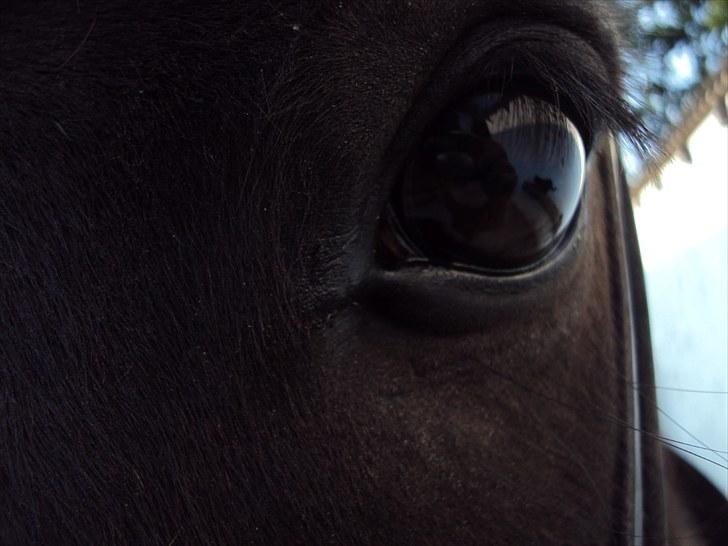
point(451, 301)
point(447, 301)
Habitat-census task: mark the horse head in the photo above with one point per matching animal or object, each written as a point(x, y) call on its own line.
point(276, 273)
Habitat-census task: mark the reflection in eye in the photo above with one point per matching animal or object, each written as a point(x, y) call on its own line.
point(494, 185)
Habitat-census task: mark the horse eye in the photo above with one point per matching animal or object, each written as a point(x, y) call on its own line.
point(494, 185)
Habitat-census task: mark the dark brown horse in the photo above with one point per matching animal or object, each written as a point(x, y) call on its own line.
point(323, 273)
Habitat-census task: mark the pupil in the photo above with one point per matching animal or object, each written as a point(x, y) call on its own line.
point(494, 184)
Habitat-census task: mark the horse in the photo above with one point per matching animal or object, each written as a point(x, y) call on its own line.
point(258, 289)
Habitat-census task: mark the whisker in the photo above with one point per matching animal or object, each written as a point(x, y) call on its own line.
point(677, 389)
point(695, 446)
point(621, 422)
point(686, 431)
point(696, 455)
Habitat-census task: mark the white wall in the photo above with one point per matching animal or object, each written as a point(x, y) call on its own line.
point(683, 234)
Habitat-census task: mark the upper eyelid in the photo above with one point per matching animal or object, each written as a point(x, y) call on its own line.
point(547, 53)
point(487, 56)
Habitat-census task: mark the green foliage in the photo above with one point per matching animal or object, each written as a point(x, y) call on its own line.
point(717, 15)
point(678, 42)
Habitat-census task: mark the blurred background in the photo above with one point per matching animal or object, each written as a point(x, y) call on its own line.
point(678, 81)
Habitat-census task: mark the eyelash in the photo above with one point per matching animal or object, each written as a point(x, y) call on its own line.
point(550, 62)
point(593, 107)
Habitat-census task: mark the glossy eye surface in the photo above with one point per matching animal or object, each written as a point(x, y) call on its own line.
point(494, 184)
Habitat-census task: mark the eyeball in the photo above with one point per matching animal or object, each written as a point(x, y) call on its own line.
point(494, 184)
